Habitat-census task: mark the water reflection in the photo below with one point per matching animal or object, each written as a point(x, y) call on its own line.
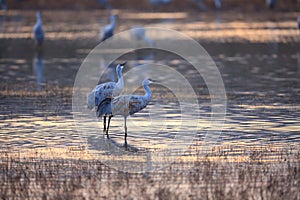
point(3, 21)
point(38, 68)
point(298, 62)
point(273, 50)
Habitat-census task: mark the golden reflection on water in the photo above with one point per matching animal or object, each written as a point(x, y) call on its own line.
point(212, 28)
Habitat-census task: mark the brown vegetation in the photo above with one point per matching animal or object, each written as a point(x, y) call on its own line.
point(214, 176)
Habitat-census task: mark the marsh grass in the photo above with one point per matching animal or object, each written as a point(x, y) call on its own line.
point(74, 174)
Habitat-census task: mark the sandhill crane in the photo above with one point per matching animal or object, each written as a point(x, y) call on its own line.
point(271, 3)
point(159, 2)
point(105, 3)
point(218, 4)
point(139, 33)
point(108, 30)
point(3, 4)
point(105, 91)
point(126, 105)
point(38, 30)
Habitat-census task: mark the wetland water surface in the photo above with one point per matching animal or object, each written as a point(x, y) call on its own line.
point(261, 77)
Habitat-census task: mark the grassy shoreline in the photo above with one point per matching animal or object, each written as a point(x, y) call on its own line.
point(77, 175)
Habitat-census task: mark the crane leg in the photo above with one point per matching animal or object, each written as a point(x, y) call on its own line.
point(125, 129)
point(104, 124)
point(109, 117)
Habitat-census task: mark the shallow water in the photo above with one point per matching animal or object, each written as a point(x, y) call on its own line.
point(261, 81)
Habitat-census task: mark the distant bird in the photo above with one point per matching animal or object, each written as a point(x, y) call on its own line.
point(139, 33)
point(108, 30)
point(159, 2)
point(201, 5)
point(38, 30)
point(105, 3)
point(3, 4)
point(126, 105)
point(271, 3)
point(218, 4)
point(102, 93)
point(299, 22)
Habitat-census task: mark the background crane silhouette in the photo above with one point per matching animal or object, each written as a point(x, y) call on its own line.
point(105, 3)
point(218, 4)
point(38, 30)
point(271, 3)
point(3, 4)
point(139, 33)
point(108, 30)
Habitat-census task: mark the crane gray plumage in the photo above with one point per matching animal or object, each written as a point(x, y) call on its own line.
point(108, 30)
point(126, 105)
point(105, 92)
point(299, 22)
point(38, 30)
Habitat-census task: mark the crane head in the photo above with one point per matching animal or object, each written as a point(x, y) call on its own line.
point(148, 81)
point(123, 65)
point(38, 14)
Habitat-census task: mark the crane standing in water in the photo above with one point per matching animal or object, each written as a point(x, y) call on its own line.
point(218, 4)
point(271, 3)
point(104, 92)
point(159, 2)
point(139, 33)
point(108, 30)
point(105, 3)
point(126, 105)
point(38, 30)
point(3, 4)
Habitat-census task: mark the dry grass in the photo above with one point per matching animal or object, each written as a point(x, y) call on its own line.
point(78, 176)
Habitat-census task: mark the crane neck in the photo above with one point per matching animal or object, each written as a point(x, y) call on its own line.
point(39, 20)
point(120, 82)
point(148, 93)
point(112, 22)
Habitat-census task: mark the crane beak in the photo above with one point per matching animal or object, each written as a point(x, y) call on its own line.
point(123, 65)
point(153, 81)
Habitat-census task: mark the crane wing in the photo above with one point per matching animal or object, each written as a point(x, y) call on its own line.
point(128, 105)
point(99, 93)
point(137, 103)
point(104, 107)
